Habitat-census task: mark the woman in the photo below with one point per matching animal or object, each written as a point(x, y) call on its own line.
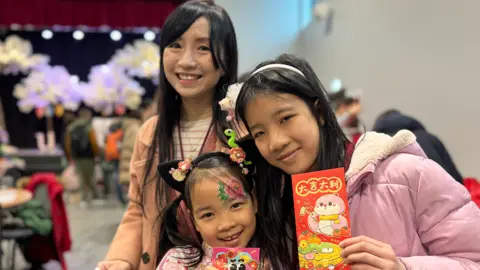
point(199, 57)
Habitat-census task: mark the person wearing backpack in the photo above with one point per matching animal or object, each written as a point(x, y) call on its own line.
point(81, 147)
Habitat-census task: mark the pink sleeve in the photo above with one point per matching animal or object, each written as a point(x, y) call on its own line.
point(172, 260)
point(447, 222)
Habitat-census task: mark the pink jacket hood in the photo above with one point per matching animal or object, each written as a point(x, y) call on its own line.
point(398, 196)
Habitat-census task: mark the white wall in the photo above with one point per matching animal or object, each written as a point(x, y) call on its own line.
point(265, 28)
point(422, 57)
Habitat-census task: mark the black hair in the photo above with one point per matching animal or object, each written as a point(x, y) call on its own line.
point(340, 98)
point(386, 114)
point(275, 199)
point(225, 56)
point(206, 166)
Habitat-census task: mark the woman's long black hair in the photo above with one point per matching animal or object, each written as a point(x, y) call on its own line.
point(206, 166)
point(276, 218)
point(225, 56)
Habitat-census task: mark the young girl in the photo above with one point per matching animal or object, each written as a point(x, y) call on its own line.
point(217, 190)
point(406, 211)
point(199, 58)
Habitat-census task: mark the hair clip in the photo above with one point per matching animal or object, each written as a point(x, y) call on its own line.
point(184, 167)
point(236, 153)
point(229, 102)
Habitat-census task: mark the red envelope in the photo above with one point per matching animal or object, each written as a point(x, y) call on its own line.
point(322, 220)
point(236, 258)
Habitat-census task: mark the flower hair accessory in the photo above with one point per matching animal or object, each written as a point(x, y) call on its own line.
point(236, 153)
point(228, 103)
point(184, 167)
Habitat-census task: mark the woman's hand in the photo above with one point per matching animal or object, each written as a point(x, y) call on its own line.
point(363, 252)
point(113, 265)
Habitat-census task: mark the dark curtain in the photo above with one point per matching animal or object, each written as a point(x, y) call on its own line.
point(114, 13)
point(78, 57)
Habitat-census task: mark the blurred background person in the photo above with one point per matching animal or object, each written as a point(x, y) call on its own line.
point(392, 121)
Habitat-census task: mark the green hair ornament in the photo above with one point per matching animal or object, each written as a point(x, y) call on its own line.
point(236, 153)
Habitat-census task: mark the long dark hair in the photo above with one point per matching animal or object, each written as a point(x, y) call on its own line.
point(275, 199)
point(225, 56)
point(206, 166)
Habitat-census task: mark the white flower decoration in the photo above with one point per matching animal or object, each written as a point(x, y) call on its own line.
point(142, 59)
point(228, 103)
point(16, 56)
point(108, 87)
point(47, 86)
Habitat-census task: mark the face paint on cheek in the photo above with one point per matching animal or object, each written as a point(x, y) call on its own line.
point(231, 189)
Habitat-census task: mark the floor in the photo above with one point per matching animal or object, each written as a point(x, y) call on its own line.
point(92, 229)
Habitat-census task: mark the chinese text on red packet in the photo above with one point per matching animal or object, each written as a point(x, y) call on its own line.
point(322, 220)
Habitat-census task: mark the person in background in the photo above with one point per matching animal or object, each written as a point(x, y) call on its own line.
point(392, 121)
point(130, 126)
point(81, 147)
point(347, 106)
point(113, 146)
point(68, 118)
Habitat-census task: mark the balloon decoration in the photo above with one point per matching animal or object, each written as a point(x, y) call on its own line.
point(48, 86)
point(39, 112)
point(120, 109)
point(142, 59)
point(50, 90)
point(59, 110)
point(48, 111)
point(16, 56)
point(109, 87)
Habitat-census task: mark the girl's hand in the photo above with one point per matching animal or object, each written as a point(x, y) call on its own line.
point(363, 252)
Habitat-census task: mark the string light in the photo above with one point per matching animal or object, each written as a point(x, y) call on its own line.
point(115, 35)
point(78, 35)
point(47, 34)
point(149, 35)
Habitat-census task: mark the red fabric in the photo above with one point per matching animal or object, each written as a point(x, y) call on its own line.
point(356, 137)
point(473, 186)
point(61, 233)
point(348, 155)
point(119, 13)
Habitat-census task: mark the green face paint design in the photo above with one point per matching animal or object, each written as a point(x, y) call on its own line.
point(231, 189)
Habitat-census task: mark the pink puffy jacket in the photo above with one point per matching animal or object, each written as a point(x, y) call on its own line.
point(398, 196)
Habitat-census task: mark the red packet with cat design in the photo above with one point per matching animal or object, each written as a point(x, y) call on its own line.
point(322, 220)
point(236, 258)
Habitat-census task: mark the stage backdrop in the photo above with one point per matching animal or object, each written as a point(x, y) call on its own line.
point(114, 13)
point(77, 56)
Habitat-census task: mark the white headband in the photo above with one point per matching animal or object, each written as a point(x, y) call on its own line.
point(277, 66)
